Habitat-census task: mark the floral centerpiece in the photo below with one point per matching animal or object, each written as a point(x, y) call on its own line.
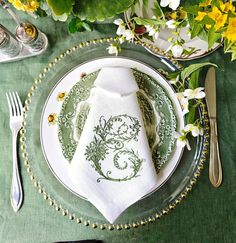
point(213, 21)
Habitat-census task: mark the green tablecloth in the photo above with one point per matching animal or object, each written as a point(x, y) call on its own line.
point(206, 215)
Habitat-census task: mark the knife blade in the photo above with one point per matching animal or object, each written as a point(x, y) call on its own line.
point(215, 168)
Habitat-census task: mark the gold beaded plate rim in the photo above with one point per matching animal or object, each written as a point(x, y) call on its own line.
point(71, 215)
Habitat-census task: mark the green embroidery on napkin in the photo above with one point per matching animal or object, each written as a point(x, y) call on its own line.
point(112, 136)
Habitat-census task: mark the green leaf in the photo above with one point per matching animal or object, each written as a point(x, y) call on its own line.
point(145, 4)
point(190, 117)
point(196, 29)
point(213, 37)
point(152, 22)
point(192, 9)
point(158, 11)
point(173, 75)
point(60, 7)
point(194, 67)
point(194, 77)
point(93, 10)
point(77, 25)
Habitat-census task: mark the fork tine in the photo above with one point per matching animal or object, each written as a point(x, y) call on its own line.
point(16, 104)
point(9, 104)
point(19, 103)
point(14, 113)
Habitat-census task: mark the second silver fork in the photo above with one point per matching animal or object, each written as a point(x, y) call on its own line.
point(16, 120)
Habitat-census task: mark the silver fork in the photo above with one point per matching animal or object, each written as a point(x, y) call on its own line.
point(16, 119)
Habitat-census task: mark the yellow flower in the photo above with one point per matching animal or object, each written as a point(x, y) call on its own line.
point(208, 26)
point(205, 4)
point(200, 16)
point(182, 14)
point(173, 15)
point(230, 33)
point(29, 5)
point(218, 17)
point(226, 7)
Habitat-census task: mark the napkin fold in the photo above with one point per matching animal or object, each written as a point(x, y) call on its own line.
point(112, 166)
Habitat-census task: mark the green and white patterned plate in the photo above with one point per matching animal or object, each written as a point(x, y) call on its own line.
point(158, 114)
point(68, 104)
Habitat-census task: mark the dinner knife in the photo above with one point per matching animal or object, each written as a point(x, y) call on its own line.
point(215, 169)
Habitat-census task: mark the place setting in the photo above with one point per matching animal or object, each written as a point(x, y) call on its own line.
point(114, 132)
point(106, 150)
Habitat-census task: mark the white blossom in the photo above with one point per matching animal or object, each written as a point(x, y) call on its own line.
point(173, 4)
point(121, 26)
point(171, 24)
point(118, 22)
point(152, 31)
point(197, 93)
point(182, 141)
point(177, 50)
point(128, 34)
point(195, 130)
point(113, 49)
point(183, 102)
point(125, 34)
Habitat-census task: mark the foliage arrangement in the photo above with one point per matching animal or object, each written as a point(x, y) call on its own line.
point(190, 95)
point(213, 21)
point(78, 13)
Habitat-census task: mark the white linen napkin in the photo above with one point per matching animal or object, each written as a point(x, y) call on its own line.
point(112, 166)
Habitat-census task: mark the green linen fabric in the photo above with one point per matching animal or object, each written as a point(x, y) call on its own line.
point(206, 215)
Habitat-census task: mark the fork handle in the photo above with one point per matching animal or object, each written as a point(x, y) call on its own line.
point(215, 169)
point(16, 188)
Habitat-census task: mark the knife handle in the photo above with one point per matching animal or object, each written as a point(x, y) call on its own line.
point(215, 169)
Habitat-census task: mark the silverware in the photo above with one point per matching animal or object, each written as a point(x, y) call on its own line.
point(16, 119)
point(215, 169)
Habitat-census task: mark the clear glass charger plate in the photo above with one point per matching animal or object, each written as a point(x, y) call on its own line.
point(147, 209)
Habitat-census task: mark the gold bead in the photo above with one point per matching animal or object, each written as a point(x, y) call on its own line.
point(46, 69)
point(68, 51)
point(40, 190)
point(51, 64)
point(71, 217)
point(29, 95)
point(78, 221)
point(102, 227)
point(64, 212)
point(127, 226)
point(50, 202)
point(26, 162)
point(33, 88)
point(111, 227)
point(134, 225)
point(41, 75)
point(35, 184)
point(57, 208)
point(94, 226)
point(45, 197)
point(73, 48)
point(119, 227)
point(165, 211)
point(142, 223)
point(86, 223)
